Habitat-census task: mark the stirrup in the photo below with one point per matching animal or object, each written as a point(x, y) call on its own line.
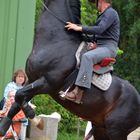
point(64, 93)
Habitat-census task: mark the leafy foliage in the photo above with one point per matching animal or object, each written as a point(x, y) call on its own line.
point(88, 13)
point(70, 136)
point(128, 65)
point(39, 9)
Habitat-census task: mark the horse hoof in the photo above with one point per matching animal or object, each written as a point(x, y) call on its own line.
point(28, 111)
point(4, 125)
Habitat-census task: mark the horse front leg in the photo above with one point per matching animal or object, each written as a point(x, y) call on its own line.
point(22, 97)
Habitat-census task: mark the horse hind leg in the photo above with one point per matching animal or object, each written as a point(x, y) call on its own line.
point(90, 134)
point(98, 132)
point(117, 135)
point(116, 132)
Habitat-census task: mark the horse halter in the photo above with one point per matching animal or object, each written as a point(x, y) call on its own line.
point(61, 20)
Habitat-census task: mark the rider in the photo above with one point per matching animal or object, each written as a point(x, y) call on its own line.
point(107, 32)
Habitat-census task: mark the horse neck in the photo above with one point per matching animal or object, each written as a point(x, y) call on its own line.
point(56, 45)
point(53, 26)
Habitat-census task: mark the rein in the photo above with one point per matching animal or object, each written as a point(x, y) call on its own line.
point(61, 20)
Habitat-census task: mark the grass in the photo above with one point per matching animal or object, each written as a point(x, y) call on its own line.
point(69, 136)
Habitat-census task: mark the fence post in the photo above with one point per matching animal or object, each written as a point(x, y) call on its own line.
point(50, 128)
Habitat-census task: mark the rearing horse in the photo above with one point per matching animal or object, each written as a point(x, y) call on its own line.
point(114, 113)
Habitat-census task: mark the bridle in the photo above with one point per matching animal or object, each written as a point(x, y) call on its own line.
point(53, 14)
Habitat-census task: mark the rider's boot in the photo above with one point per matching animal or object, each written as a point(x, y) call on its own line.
point(75, 95)
point(4, 125)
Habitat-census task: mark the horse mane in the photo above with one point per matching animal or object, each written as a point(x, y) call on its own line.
point(74, 7)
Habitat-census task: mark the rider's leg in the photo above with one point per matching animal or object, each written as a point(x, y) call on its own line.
point(86, 69)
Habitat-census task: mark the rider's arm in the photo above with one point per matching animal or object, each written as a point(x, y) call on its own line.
point(103, 23)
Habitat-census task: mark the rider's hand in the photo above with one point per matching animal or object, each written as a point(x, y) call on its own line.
point(91, 46)
point(72, 26)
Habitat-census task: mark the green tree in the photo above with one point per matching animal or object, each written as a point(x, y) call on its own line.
point(128, 65)
point(88, 12)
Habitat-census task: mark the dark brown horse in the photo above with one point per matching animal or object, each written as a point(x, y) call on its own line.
point(114, 113)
